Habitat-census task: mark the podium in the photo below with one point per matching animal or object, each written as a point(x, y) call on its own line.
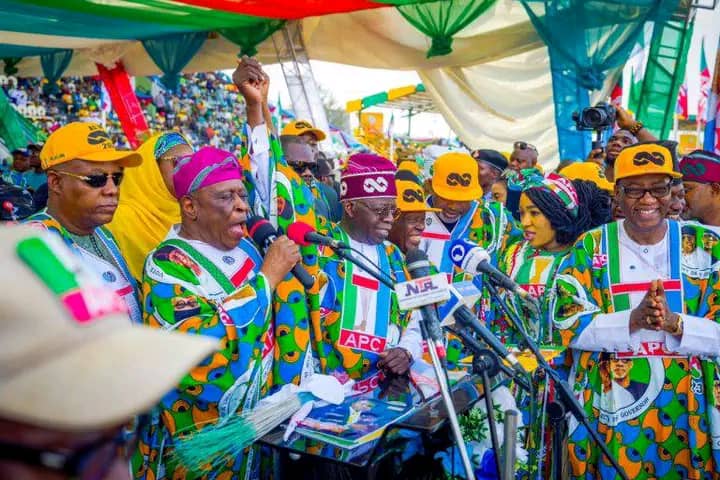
point(425, 427)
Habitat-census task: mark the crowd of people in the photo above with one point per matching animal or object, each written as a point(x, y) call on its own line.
point(205, 107)
point(619, 255)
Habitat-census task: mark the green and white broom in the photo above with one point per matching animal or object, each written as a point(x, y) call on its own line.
point(215, 443)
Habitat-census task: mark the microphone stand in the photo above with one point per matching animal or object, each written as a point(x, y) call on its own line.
point(437, 366)
point(566, 399)
point(449, 406)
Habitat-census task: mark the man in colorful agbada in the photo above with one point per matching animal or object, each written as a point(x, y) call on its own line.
point(207, 278)
point(364, 335)
point(627, 293)
point(84, 171)
point(278, 193)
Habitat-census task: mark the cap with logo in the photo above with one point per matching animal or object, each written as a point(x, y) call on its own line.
point(701, 166)
point(368, 176)
point(299, 127)
point(69, 357)
point(648, 158)
point(84, 141)
point(455, 177)
point(589, 171)
point(410, 193)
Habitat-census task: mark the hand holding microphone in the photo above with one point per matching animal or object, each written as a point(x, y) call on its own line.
point(282, 255)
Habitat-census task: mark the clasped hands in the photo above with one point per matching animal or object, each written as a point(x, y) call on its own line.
point(653, 312)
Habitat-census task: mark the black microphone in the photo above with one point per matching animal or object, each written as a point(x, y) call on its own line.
point(303, 234)
point(418, 266)
point(264, 234)
point(466, 318)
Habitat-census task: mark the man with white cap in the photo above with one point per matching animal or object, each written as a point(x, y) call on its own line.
point(73, 369)
point(84, 171)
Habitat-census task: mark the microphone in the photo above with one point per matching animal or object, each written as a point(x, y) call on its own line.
point(303, 234)
point(418, 266)
point(264, 234)
point(474, 259)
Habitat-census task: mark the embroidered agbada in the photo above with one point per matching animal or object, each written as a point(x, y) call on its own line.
point(113, 269)
point(649, 394)
point(194, 288)
point(287, 200)
point(360, 317)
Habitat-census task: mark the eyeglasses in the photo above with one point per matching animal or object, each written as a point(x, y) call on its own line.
point(90, 462)
point(384, 212)
point(524, 146)
point(98, 180)
point(302, 166)
point(638, 192)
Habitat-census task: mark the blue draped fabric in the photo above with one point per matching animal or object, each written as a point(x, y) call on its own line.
point(172, 52)
point(585, 39)
point(53, 66)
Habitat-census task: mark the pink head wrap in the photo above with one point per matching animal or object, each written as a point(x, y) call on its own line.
point(205, 167)
point(368, 176)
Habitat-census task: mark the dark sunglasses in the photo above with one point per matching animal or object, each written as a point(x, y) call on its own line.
point(524, 146)
point(98, 180)
point(302, 166)
point(90, 462)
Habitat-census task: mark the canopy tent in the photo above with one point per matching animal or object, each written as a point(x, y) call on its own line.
point(493, 88)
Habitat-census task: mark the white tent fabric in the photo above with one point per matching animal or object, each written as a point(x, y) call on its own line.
point(494, 88)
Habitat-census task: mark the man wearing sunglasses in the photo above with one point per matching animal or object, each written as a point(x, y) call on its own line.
point(74, 369)
point(524, 155)
point(301, 158)
point(84, 172)
point(628, 288)
point(365, 335)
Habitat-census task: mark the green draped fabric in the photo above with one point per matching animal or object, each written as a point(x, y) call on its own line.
point(441, 20)
point(172, 53)
point(11, 65)
point(248, 38)
point(53, 66)
point(16, 131)
point(585, 40)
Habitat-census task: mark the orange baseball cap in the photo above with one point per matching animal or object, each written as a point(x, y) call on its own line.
point(455, 177)
point(646, 158)
point(84, 141)
point(298, 127)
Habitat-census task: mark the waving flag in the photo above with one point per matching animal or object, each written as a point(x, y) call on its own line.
point(702, 114)
point(682, 103)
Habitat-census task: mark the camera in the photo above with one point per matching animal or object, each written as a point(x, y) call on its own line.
point(599, 117)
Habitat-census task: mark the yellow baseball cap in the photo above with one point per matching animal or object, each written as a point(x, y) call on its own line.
point(589, 171)
point(455, 177)
point(84, 141)
point(298, 127)
point(410, 193)
point(646, 158)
